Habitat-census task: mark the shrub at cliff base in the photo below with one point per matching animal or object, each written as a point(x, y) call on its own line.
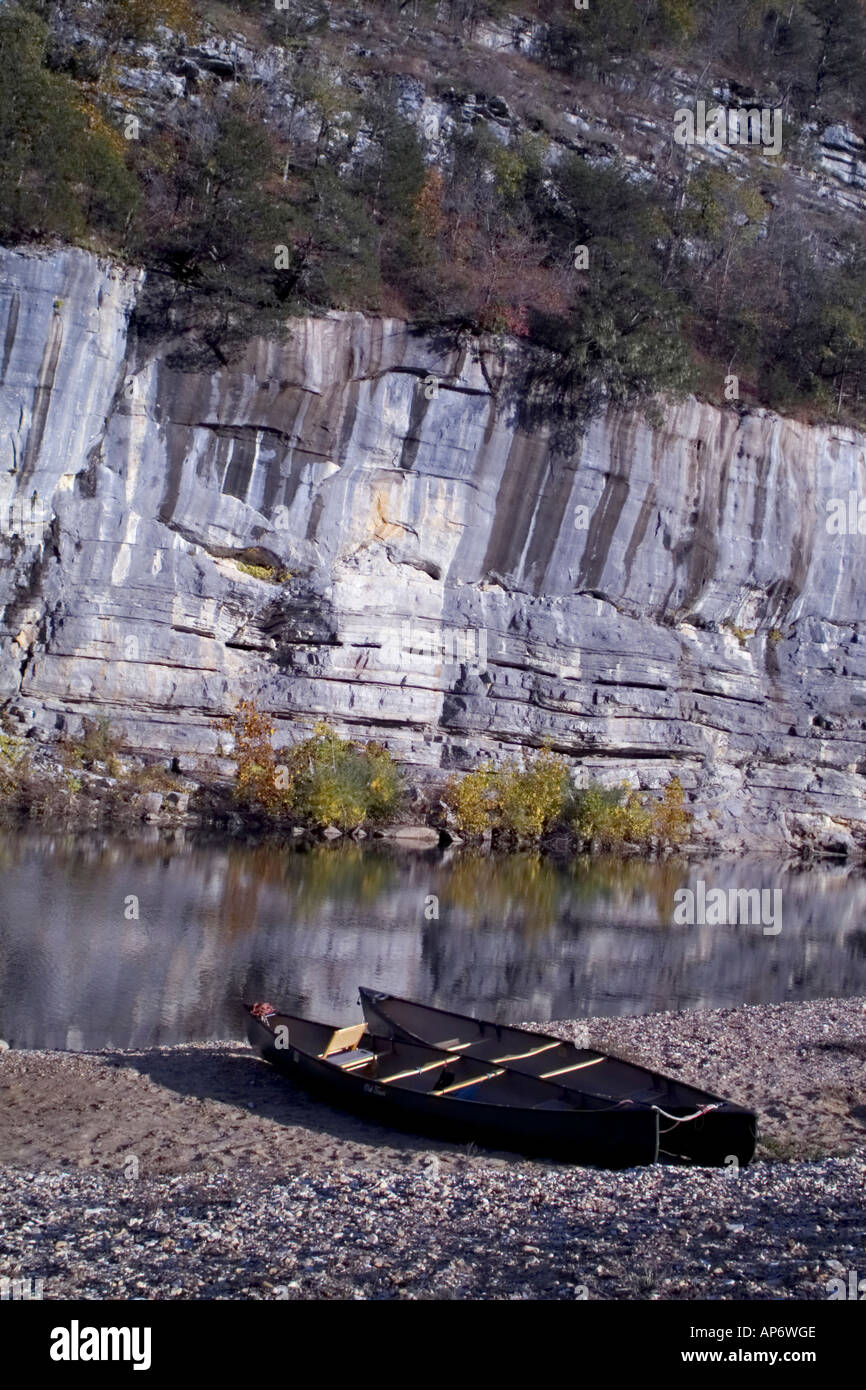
point(671, 821)
point(323, 780)
point(11, 760)
point(520, 801)
point(610, 817)
point(524, 802)
point(530, 798)
point(28, 793)
point(255, 758)
point(472, 799)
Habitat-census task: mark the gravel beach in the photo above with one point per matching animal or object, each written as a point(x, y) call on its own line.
point(198, 1172)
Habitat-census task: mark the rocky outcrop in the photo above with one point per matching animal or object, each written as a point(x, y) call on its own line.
point(668, 598)
point(629, 116)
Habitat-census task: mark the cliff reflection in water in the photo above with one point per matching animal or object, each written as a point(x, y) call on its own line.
point(519, 937)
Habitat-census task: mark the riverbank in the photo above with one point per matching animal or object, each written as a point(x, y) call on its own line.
point(215, 1107)
point(196, 1171)
point(93, 785)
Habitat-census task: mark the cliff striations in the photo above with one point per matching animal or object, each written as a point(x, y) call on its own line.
point(352, 526)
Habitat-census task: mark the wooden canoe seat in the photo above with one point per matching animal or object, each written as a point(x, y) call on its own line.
point(343, 1039)
point(351, 1058)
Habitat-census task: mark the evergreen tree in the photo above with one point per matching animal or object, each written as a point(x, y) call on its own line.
point(62, 167)
point(213, 245)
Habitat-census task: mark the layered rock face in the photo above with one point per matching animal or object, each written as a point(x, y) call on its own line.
point(666, 599)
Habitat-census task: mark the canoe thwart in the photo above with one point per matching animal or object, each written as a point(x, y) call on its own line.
point(473, 1081)
point(575, 1066)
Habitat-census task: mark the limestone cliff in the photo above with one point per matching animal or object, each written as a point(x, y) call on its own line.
point(665, 599)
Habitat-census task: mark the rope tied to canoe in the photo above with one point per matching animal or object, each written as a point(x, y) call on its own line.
point(685, 1119)
point(263, 1012)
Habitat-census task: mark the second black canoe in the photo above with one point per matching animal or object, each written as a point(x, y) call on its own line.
point(694, 1125)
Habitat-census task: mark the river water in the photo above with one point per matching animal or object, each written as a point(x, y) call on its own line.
point(110, 942)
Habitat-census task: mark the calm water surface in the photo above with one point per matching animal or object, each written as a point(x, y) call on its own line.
point(518, 937)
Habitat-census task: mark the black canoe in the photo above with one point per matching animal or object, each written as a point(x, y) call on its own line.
point(694, 1125)
point(409, 1085)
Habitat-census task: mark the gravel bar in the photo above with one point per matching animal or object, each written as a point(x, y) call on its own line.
point(198, 1172)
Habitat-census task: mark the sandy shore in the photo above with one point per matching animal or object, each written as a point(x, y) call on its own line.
point(207, 1175)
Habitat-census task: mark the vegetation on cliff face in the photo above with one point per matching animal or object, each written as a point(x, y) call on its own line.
point(63, 170)
point(244, 219)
